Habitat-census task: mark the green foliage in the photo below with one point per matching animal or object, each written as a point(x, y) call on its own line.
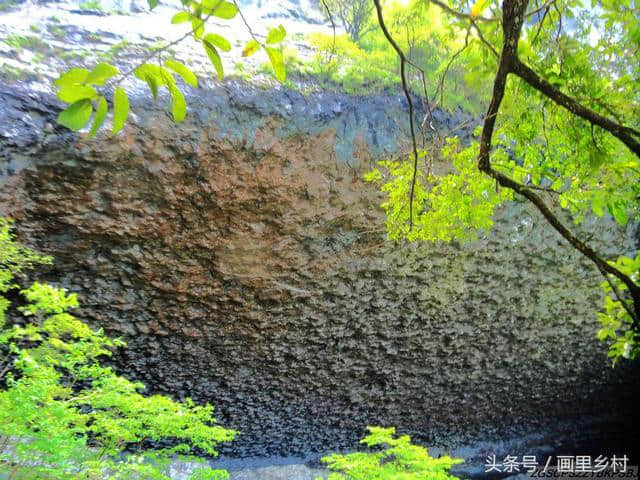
point(398, 459)
point(77, 86)
point(355, 16)
point(615, 320)
point(573, 165)
point(63, 415)
point(455, 205)
point(370, 64)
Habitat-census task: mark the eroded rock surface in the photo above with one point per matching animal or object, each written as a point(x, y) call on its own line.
point(241, 256)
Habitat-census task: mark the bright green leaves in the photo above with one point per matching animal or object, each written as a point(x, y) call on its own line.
point(397, 458)
point(179, 105)
point(218, 41)
point(618, 211)
point(276, 35)
point(77, 92)
point(75, 415)
point(478, 7)
point(198, 27)
point(156, 76)
point(98, 119)
point(76, 87)
point(219, 8)
point(120, 109)
point(457, 205)
point(213, 55)
point(250, 48)
point(277, 62)
point(101, 73)
point(179, 108)
point(75, 76)
point(187, 75)
point(152, 4)
point(616, 324)
point(181, 17)
point(76, 115)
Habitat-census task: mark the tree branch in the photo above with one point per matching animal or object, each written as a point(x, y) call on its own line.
point(622, 133)
point(405, 87)
point(513, 15)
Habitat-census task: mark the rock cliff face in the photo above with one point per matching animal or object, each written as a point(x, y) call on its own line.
point(242, 258)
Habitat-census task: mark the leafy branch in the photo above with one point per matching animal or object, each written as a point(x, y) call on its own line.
point(77, 87)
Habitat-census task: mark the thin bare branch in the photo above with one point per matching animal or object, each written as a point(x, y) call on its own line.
point(405, 88)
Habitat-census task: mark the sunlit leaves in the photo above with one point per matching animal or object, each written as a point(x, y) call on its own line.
point(187, 75)
point(618, 211)
point(179, 106)
point(156, 76)
point(250, 48)
point(214, 56)
point(68, 415)
point(478, 7)
point(277, 62)
point(78, 84)
point(219, 8)
point(152, 4)
point(75, 76)
point(76, 115)
point(181, 17)
point(152, 82)
point(198, 27)
point(218, 41)
point(276, 35)
point(73, 93)
point(76, 87)
point(616, 324)
point(120, 109)
point(458, 205)
point(101, 114)
point(395, 458)
point(100, 73)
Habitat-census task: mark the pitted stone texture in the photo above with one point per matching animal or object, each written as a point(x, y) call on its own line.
point(242, 258)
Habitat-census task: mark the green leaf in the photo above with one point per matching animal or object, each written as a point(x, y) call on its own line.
point(276, 35)
point(120, 109)
point(179, 109)
point(100, 73)
point(179, 104)
point(250, 48)
point(98, 119)
point(152, 4)
point(181, 17)
point(75, 76)
point(153, 84)
point(167, 77)
point(214, 57)
point(148, 69)
point(197, 26)
point(478, 7)
point(219, 8)
point(219, 41)
point(76, 115)
point(277, 62)
point(187, 75)
point(619, 212)
point(72, 94)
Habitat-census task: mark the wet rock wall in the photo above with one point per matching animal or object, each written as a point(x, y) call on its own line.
point(242, 257)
